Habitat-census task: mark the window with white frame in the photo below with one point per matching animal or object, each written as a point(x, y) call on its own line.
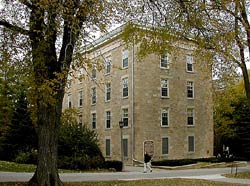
point(165, 117)
point(107, 147)
point(108, 120)
point(125, 87)
point(93, 120)
point(165, 145)
point(93, 72)
point(189, 63)
point(125, 147)
point(80, 98)
point(190, 116)
point(164, 63)
point(191, 144)
point(125, 59)
point(164, 88)
point(69, 100)
point(125, 117)
point(93, 95)
point(108, 65)
point(107, 91)
point(190, 89)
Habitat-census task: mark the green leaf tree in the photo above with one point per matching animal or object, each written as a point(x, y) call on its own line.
point(20, 136)
point(11, 76)
point(241, 140)
point(78, 145)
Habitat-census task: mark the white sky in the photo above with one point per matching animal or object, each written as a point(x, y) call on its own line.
point(1, 4)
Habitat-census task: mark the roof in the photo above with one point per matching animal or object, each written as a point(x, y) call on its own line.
point(104, 38)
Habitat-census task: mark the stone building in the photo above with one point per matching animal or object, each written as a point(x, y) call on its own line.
point(165, 102)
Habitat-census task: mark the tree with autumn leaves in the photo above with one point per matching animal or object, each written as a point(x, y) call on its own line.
point(51, 29)
point(220, 27)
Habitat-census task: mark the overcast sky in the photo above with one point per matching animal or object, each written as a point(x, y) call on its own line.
point(1, 5)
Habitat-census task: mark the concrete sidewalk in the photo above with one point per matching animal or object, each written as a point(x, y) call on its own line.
point(211, 177)
point(135, 173)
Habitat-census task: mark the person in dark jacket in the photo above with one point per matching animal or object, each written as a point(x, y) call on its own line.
point(147, 162)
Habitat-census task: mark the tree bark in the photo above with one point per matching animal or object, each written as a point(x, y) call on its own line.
point(242, 53)
point(246, 80)
point(48, 124)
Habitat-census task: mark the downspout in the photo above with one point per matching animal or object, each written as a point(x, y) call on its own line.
point(132, 124)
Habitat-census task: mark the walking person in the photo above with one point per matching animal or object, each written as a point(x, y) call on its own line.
point(147, 162)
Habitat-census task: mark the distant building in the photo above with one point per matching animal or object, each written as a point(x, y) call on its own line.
point(165, 102)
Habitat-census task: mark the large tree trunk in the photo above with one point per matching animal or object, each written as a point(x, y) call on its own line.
point(246, 80)
point(48, 123)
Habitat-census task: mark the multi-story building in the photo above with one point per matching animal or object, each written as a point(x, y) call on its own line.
point(164, 101)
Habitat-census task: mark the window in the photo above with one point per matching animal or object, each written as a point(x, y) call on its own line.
point(191, 144)
point(80, 120)
point(69, 100)
point(164, 88)
point(125, 147)
point(81, 71)
point(93, 73)
point(125, 59)
point(93, 98)
point(164, 61)
point(125, 87)
point(165, 117)
point(93, 120)
point(125, 117)
point(190, 89)
point(165, 146)
point(108, 120)
point(108, 92)
point(189, 60)
point(80, 98)
point(108, 147)
point(190, 116)
point(108, 65)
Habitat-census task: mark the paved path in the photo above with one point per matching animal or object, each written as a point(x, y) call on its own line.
point(135, 173)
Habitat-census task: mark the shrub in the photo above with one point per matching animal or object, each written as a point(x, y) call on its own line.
point(78, 147)
point(26, 157)
point(22, 157)
point(180, 162)
point(117, 165)
point(80, 163)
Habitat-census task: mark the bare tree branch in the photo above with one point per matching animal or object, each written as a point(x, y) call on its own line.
point(14, 27)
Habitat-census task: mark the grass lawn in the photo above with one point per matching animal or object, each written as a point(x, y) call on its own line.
point(16, 167)
point(161, 182)
point(241, 175)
